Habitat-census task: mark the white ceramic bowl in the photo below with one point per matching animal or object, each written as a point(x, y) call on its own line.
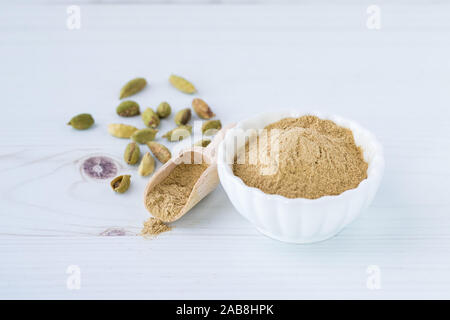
point(300, 220)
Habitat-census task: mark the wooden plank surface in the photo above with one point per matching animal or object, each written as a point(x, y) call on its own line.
point(244, 60)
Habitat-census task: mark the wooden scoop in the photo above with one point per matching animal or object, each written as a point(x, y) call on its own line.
point(207, 182)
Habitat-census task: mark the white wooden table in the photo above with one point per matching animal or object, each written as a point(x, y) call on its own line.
point(244, 60)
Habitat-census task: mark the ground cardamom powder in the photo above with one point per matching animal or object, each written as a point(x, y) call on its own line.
point(315, 158)
point(166, 199)
point(153, 227)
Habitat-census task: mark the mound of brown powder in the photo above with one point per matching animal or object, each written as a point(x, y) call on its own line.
point(166, 199)
point(315, 158)
point(153, 227)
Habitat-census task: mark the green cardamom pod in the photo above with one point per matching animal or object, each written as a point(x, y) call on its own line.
point(121, 184)
point(144, 135)
point(82, 121)
point(147, 165)
point(159, 151)
point(119, 130)
point(150, 118)
point(132, 87)
point(132, 153)
point(183, 116)
point(179, 133)
point(128, 108)
point(211, 127)
point(163, 110)
point(182, 84)
point(202, 143)
point(202, 109)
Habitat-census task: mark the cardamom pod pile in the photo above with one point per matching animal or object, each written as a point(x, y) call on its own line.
point(151, 119)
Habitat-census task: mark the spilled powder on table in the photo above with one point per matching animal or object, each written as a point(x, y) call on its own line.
point(153, 227)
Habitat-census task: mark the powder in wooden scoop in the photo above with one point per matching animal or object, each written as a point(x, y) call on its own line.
point(314, 158)
point(166, 199)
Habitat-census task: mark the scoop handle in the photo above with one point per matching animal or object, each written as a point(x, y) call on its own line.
point(211, 149)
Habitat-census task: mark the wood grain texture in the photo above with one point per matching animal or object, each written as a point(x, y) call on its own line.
point(243, 60)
